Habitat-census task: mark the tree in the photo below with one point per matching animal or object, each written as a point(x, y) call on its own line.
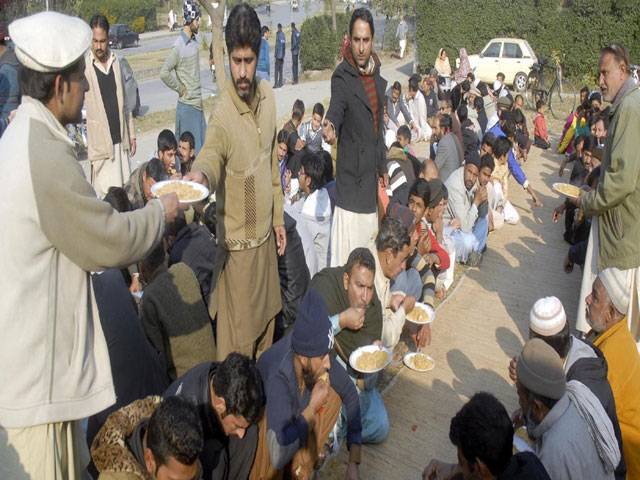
point(217, 40)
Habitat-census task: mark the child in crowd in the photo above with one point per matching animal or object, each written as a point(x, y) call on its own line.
point(167, 149)
point(540, 132)
point(311, 131)
point(498, 187)
point(186, 152)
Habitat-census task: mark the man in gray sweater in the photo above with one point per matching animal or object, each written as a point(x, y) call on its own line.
point(449, 154)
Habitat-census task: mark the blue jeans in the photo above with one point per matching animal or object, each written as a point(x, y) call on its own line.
point(190, 119)
point(481, 232)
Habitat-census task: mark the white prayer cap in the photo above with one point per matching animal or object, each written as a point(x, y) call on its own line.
point(49, 41)
point(547, 317)
point(618, 285)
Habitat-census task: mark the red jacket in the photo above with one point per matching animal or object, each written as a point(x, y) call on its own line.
point(438, 249)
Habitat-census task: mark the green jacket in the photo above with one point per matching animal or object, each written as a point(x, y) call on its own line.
point(616, 200)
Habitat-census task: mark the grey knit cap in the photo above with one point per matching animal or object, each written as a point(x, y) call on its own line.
point(540, 371)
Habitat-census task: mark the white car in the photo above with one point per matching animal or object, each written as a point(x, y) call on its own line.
point(512, 56)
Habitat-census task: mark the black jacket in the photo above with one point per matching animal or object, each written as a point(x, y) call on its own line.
point(361, 149)
point(592, 372)
point(524, 466)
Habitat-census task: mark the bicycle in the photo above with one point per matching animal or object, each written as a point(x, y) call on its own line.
point(560, 97)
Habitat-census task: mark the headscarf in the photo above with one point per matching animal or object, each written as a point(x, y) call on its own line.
point(442, 66)
point(465, 67)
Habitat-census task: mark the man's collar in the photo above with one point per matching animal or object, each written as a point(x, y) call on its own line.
point(186, 37)
point(628, 86)
point(110, 59)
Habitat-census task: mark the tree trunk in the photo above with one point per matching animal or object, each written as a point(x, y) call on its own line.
point(334, 24)
point(217, 20)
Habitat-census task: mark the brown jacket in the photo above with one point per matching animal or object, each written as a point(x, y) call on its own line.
point(109, 450)
point(99, 142)
point(240, 161)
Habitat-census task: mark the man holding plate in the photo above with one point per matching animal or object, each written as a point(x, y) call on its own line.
point(239, 162)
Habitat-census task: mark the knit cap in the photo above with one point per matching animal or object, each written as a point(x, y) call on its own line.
point(540, 371)
point(618, 285)
point(547, 316)
point(312, 335)
point(191, 11)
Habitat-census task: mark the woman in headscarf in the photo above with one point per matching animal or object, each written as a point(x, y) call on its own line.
point(442, 64)
point(465, 67)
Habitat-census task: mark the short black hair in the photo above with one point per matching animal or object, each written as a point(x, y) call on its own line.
point(478, 103)
point(501, 147)
point(175, 431)
point(420, 188)
point(604, 118)
point(237, 380)
point(489, 139)
point(283, 136)
point(404, 131)
point(463, 112)
point(364, 15)
point(40, 85)
point(314, 168)
point(243, 29)
point(318, 109)
point(482, 430)
point(99, 21)
point(445, 121)
point(297, 112)
point(392, 234)
point(188, 137)
point(486, 161)
point(118, 199)
point(293, 24)
point(155, 169)
point(471, 76)
point(360, 256)
point(414, 83)
point(167, 141)
point(518, 116)
point(328, 166)
point(264, 29)
point(279, 26)
point(396, 86)
point(560, 342)
point(500, 74)
point(509, 128)
point(539, 104)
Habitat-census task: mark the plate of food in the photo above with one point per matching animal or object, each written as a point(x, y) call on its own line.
point(418, 361)
point(421, 314)
point(188, 192)
point(567, 189)
point(370, 358)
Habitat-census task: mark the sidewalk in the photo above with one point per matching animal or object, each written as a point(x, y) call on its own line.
point(481, 325)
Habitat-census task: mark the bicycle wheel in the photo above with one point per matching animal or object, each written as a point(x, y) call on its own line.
point(562, 99)
point(530, 92)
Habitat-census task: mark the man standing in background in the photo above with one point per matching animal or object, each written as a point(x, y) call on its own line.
point(110, 131)
point(401, 35)
point(295, 51)
point(184, 59)
point(281, 42)
point(263, 68)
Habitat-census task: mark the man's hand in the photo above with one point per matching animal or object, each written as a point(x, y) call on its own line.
point(328, 132)
point(396, 301)
point(319, 396)
point(408, 303)
point(480, 196)
point(424, 244)
point(422, 337)
point(558, 212)
point(536, 200)
point(437, 470)
point(512, 369)
point(384, 180)
point(281, 238)
point(352, 318)
point(299, 145)
point(517, 418)
point(132, 146)
point(198, 177)
point(183, 92)
point(352, 471)
point(171, 207)
point(455, 223)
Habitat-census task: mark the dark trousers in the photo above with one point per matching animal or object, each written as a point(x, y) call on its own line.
point(294, 67)
point(278, 72)
point(541, 143)
point(232, 462)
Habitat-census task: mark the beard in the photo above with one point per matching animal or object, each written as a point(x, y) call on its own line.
point(245, 94)
point(530, 423)
point(308, 377)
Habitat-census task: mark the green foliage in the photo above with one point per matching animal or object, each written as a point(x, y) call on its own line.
point(389, 41)
point(575, 33)
point(121, 11)
point(137, 25)
point(319, 44)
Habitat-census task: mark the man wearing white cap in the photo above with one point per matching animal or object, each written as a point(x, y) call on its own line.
point(606, 307)
point(54, 358)
point(110, 132)
point(580, 361)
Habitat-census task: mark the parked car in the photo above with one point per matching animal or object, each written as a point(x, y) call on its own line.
point(131, 92)
point(512, 56)
point(120, 36)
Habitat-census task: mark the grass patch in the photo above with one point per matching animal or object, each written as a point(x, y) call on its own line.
point(166, 118)
point(148, 60)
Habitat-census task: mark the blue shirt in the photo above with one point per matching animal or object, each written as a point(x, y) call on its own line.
point(281, 42)
point(263, 58)
point(514, 166)
point(295, 42)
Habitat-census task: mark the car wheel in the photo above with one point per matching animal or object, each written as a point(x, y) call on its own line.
point(520, 82)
